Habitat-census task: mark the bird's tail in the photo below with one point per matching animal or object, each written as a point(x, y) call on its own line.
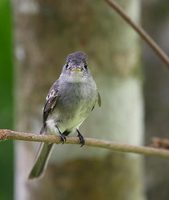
point(41, 161)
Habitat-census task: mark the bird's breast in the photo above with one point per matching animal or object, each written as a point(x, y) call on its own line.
point(75, 95)
point(74, 104)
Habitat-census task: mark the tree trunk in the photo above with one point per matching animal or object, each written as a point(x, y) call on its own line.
point(46, 31)
point(156, 97)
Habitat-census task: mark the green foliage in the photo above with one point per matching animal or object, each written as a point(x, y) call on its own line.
point(6, 100)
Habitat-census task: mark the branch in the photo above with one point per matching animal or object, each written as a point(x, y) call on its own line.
point(144, 35)
point(148, 151)
point(162, 143)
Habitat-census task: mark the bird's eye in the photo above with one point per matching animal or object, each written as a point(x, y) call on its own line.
point(85, 66)
point(66, 66)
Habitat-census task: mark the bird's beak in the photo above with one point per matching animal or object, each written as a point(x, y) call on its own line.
point(76, 69)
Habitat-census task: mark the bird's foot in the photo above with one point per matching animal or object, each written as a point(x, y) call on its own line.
point(81, 138)
point(62, 138)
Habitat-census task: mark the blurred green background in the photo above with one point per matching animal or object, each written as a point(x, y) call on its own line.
point(155, 19)
point(6, 100)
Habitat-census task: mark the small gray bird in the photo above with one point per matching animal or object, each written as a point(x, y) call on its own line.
point(69, 102)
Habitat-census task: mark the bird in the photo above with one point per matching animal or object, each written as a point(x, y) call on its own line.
point(69, 102)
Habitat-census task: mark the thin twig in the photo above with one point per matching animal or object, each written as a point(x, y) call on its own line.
point(144, 35)
point(162, 143)
point(147, 151)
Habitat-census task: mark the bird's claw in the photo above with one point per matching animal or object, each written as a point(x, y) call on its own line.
point(81, 138)
point(82, 141)
point(62, 138)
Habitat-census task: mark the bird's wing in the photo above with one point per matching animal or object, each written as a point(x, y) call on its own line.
point(99, 99)
point(50, 103)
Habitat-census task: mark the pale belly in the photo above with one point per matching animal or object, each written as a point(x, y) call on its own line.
point(71, 110)
point(67, 120)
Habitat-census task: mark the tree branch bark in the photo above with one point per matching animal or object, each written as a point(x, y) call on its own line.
point(6, 134)
point(144, 35)
point(162, 143)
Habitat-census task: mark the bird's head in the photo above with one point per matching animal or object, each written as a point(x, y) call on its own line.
point(75, 68)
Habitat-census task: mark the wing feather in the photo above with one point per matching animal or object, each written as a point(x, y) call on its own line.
point(51, 101)
point(99, 100)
